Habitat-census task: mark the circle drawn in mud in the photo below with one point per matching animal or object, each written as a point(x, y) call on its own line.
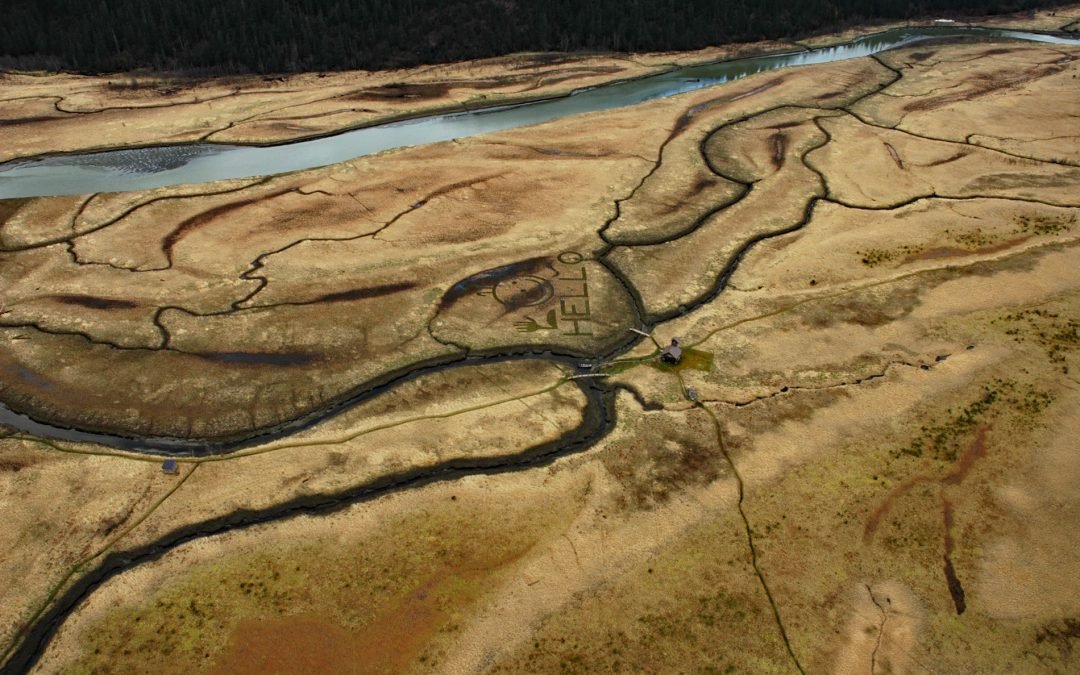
point(527, 291)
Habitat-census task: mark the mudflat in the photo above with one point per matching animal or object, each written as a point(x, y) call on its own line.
point(58, 112)
point(864, 460)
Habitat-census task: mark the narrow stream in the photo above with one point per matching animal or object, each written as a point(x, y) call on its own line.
point(151, 167)
point(169, 446)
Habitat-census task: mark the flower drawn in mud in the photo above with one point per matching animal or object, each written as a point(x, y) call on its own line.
point(531, 325)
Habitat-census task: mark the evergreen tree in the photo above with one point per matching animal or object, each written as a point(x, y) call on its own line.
point(219, 36)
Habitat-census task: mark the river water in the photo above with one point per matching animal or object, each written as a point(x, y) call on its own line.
point(158, 166)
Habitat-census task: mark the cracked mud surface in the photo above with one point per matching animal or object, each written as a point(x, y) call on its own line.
point(880, 311)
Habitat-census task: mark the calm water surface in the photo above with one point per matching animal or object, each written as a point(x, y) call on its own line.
point(151, 167)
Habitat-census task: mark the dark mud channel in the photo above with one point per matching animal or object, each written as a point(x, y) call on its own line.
point(599, 420)
point(180, 448)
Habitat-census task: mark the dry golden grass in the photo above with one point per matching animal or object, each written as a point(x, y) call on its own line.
point(887, 418)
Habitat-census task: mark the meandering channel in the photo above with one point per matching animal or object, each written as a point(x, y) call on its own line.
point(144, 168)
point(180, 448)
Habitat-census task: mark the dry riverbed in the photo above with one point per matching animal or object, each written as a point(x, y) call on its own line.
point(864, 462)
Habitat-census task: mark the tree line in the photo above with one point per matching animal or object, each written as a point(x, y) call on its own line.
point(268, 36)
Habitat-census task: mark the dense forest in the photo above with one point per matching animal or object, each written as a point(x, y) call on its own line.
point(219, 36)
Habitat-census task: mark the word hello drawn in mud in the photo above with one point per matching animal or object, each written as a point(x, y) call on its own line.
point(570, 286)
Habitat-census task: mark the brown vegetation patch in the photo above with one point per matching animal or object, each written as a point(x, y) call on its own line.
point(702, 182)
point(363, 293)
point(1061, 635)
point(871, 308)
point(260, 359)
point(671, 201)
point(13, 465)
point(304, 645)
point(16, 121)
point(438, 90)
point(997, 51)
point(982, 84)
point(9, 207)
point(960, 154)
point(1007, 180)
point(134, 85)
point(692, 604)
point(1058, 335)
point(779, 143)
point(956, 589)
point(427, 90)
point(526, 61)
point(662, 459)
point(943, 441)
point(186, 226)
point(672, 275)
point(91, 302)
point(975, 451)
point(883, 508)
point(758, 147)
point(313, 644)
point(489, 278)
point(31, 222)
point(772, 413)
point(686, 118)
point(895, 156)
point(953, 252)
point(325, 598)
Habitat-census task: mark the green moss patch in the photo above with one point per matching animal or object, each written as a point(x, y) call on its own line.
point(692, 359)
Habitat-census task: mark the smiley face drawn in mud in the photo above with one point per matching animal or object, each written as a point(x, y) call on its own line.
point(521, 286)
point(523, 291)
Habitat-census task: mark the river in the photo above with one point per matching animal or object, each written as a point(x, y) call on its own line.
point(144, 168)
